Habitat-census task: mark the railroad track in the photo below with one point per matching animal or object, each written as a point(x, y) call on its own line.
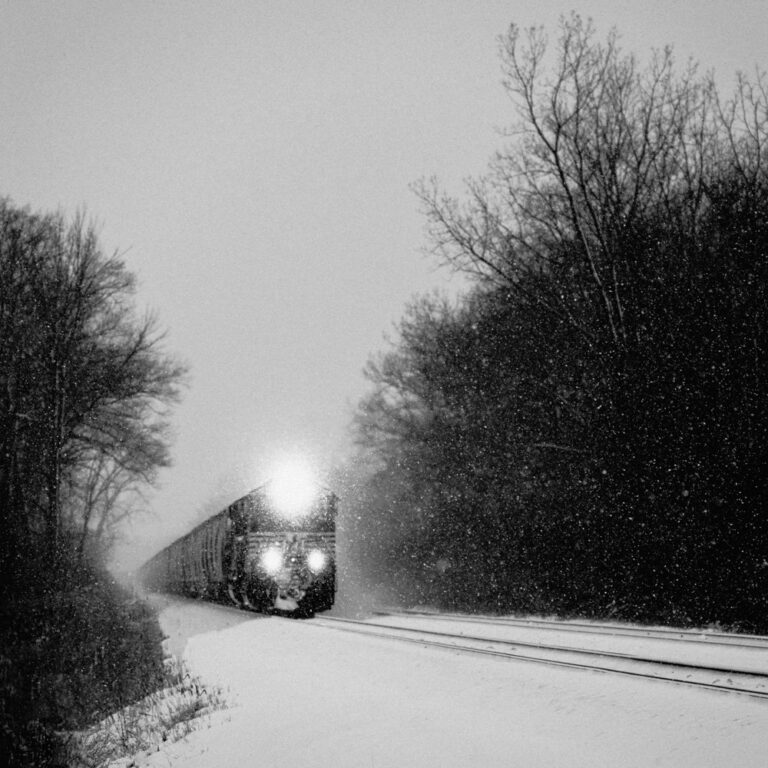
point(725, 679)
point(709, 637)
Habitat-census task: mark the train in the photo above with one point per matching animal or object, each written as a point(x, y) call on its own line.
point(255, 555)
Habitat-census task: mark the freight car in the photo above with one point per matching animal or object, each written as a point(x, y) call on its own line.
point(254, 555)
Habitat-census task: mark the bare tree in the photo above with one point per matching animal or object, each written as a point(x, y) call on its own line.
point(600, 144)
point(98, 494)
point(85, 384)
point(619, 242)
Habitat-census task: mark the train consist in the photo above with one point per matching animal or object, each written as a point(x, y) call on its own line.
point(255, 555)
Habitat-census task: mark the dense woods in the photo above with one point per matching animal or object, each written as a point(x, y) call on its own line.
point(585, 432)
point(84, 388)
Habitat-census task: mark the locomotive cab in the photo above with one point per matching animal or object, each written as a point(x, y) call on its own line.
point(287, 563)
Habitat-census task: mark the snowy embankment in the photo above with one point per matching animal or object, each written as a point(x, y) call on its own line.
point(306, 695)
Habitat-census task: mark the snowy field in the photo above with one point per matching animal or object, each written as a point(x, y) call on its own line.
point(305, 695)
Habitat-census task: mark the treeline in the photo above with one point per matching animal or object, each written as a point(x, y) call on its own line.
point(586, 432)
point(84, 390)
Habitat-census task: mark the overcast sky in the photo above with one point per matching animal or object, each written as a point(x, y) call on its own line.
point(252, 162)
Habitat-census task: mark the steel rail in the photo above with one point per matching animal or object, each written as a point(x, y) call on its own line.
point(356, 627)
point(570, 649)
point(651, 633)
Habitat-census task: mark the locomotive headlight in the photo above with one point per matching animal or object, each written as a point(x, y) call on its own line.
point(293, 487)
point(272, 560)
point(316, 560)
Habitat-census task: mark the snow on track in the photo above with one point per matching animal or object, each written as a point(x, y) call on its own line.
point(729, 679)
point(302, 694)
point(687, 652)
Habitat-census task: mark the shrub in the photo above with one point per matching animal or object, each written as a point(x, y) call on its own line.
point(73, 649)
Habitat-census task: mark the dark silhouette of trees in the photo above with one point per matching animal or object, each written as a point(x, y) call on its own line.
point(598, 405)
point(84, 391)
point(84, 385)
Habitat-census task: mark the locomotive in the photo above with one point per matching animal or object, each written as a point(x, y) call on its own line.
point(256, 556)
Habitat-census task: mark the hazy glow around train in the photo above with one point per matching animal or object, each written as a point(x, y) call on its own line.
point(293, 486)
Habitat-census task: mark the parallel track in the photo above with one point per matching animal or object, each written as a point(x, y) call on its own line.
point(663, 669)
point(660, 633)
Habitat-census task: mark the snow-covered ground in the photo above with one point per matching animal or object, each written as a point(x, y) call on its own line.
point(301, 694)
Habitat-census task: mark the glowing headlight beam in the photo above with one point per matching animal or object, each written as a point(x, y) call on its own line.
point(272, 560)
point(316, 560)
point(293, 486)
